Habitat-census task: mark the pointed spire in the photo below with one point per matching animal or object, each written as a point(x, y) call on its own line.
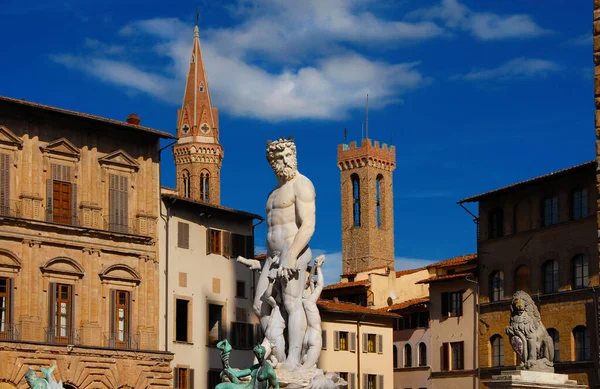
point(197, 115)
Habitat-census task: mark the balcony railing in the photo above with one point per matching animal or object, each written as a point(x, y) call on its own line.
point(122, 340)
point(126, 226)
point(11, 208)
point(63, 335)
point(10, 331)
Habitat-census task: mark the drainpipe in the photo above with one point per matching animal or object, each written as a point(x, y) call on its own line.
point(358, 352)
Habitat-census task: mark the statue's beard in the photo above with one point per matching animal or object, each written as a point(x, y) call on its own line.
point(286, 172)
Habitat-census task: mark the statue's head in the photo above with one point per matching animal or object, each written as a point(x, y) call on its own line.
point(259, 352)
point(281, 155)
point(520, 303)
point(30, 376)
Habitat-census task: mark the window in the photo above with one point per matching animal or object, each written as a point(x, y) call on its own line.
point(371, 343)
point(242, 245)
point(496, 285)
point(523, 279)
point(60, 323)
point(378, 199)
point(242, 335)
point(4, 184)
point(120, 319)
point(407, 355)
point(240, 289)
point(452, 304)
point(371, 381)
point(183, 378)
point(556, 339)
point(118, 203)
point(550, 271)
point(496, 223)
point(395, 356)
point(582, 343)
point(214, 243)
point(343, 340)
point(355, 199)
point(517, 225)
point(185, 177)
point(579, 203)
point(183, 235)
point(497, 350)
point(550, 211)
point(215, 323)
point(580, 271)
point(422, 354)
point(182, 320)
point(323, 339)
point(5, 308)
point(457, 355)
point(214, 378)
point(204, 186)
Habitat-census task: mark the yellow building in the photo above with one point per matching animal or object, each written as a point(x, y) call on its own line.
point(79, 203)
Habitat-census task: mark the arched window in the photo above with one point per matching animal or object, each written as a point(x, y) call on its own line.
point(496, 285)
point(580, 271)
point(378, 198)
point(523, 279)
point(356, 199)
point(186, 183)
point(550, 272)
point(556, 339)
point(395, 357)
point(579, 203)
point(549, 211)
point(496, 223)
point(422, 354)
point(407, 355)
point(582, 343)
point(497, 350)
point(204, 186)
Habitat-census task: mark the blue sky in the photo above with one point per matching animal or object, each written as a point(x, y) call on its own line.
point(474, 94)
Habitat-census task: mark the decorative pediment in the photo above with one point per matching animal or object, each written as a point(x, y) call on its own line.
point(62, 147)
point(9, 259)
point(63, 265)
point(9, 138)
point(120, 158)
point(120, 272)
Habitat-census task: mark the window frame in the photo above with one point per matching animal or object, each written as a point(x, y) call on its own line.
point(555, 335)
point(580, 281)
point(496, 285)
point(407, 350)
point(422, 350)
point(496, 223)
point(551, 282)
point(6, 323)
point(550, 210)
point(497, 347)
point(579, 203)
point(188, 320)
point(581, 340)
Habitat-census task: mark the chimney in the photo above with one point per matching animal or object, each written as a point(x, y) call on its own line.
point(133, 119)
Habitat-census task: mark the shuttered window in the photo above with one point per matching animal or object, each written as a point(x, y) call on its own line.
point(183, 235)
point(4, 184)
point(60, 314)
point(5, 308)
point(118, 203)
point(183, 378)
point(61, 196)
point(120, 319)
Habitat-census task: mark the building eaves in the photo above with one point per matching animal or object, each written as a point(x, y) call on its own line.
point(212, 206)
point(352, 284)
point(88, 116)
point(527, 182)
point(455, 261)
point(406, 304)
point(400, 273)
point(445, 277)
point(350, 308)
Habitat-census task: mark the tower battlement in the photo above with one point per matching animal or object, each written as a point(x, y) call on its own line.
point(352, 155)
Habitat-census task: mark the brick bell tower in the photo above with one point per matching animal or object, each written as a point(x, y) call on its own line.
point(198, 154)
point(367, 205)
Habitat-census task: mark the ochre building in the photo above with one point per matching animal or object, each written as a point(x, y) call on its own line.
point(79, 203)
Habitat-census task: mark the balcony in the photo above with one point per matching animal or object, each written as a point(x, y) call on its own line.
point(10, 332)
point(122, 340)
point(11, 208)
point(63, 335)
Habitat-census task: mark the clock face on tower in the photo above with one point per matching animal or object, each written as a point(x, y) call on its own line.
point(185, 129)
point(205, 128)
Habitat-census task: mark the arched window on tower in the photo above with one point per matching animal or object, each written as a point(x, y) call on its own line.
point(356, 199)
point(204, 186)
point(186, 183)
point(497, 350)
point(378, 198)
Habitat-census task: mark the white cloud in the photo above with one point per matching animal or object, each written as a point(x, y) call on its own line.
point(515, 68)
point(482, 25)
point(406, 263)
point(586, 39)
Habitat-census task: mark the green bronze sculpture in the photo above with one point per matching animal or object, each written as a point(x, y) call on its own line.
point(48, 382)
point(262, 375)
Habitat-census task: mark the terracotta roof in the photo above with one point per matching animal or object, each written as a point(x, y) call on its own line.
point(445, 277)
point(162, 134)
point(208, 205)
point(400, 273)
point(261, 257)
point(530, 181)
point(456, 261)
point(406, 304)
point(341, 285)
point(334, 306)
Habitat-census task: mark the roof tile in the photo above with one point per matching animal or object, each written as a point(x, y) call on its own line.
point(335, 306)
point(341, 285)
point(445, 277)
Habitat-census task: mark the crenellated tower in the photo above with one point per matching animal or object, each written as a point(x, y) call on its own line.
point(367, 205)
point(198, 154)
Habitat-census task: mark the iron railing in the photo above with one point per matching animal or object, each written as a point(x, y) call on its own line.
point(63, 335)
point(121, 340)
point(10, 331)
point(11, 208)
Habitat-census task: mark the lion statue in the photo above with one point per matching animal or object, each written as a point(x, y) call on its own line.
point(528, 336)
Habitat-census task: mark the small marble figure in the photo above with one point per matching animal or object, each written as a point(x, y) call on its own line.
point(313, 339)
point(528, 336)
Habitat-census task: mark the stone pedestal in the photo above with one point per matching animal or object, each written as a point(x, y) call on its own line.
point(526, 379)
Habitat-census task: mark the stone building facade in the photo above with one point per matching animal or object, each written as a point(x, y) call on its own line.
point(367, 205)
point(540, 236)
point(78, 259)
